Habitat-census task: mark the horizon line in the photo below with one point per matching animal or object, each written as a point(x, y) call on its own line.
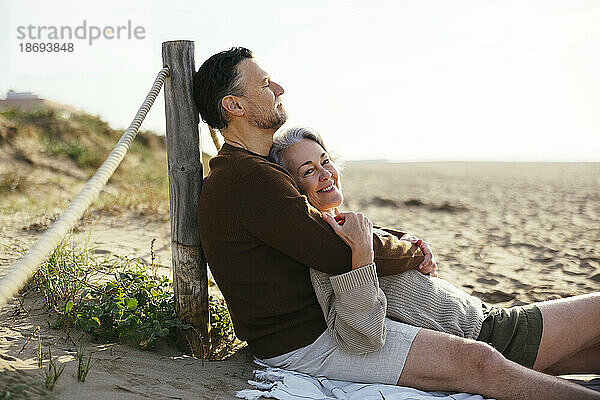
point(436, 160)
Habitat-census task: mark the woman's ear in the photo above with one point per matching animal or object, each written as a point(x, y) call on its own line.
point(232, 105)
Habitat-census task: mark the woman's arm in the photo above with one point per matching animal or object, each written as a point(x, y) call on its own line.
point(353, 305)
point(354, 308)
point(356, 230)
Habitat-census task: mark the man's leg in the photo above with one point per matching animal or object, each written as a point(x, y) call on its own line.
point(438, 361)
point(570, 326)
point(584, 362)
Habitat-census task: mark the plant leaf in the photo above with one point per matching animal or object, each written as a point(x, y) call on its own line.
point(131, 303)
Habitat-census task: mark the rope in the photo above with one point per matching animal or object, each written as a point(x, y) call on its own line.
point(215, 138)
point(23, 269)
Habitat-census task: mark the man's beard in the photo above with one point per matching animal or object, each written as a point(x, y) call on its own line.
point(267, 119)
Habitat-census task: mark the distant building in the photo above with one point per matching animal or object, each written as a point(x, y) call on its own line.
point(28, 101)
point(12, 95)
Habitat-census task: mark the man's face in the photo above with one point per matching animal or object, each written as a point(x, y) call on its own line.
point(261, 97)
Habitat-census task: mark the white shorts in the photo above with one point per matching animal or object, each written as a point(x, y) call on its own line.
point(324, 358)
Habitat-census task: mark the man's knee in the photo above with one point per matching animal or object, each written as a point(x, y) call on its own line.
point(475, 361)
point(456, 364)
point(483, 360)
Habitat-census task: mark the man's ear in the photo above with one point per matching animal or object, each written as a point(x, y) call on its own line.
point(232, 105)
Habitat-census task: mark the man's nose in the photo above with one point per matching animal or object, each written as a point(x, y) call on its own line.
point(276, 88)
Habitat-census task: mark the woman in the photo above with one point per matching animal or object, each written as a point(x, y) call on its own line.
point(355, 311)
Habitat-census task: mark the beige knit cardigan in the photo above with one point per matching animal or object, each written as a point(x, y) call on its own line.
point(356, 303)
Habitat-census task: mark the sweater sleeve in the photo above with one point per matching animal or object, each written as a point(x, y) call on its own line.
point(392, 254)
point(274, 211)
point(354, 308)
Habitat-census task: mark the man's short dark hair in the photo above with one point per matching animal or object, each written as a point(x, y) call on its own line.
point(216, 78)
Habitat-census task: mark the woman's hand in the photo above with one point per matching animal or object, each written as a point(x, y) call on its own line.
point(356, 231)
point(429, 265)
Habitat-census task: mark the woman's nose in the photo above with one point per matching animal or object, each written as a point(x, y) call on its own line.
point(325, 175)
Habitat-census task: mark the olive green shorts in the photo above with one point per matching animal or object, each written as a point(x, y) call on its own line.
point(515, 332)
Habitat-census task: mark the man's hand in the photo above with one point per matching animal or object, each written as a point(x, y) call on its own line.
point(356, 230)
point(429, 265)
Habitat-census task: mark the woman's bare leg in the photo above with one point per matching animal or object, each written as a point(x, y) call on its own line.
point(570, 326)
point(439, 361)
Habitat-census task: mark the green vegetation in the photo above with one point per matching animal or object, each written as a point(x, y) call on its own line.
point(110, 297)
point(134, 306)
point(40, 353)
point(80, 137)
point(12, 181)
point(222, 336)
point(52, 373)
point(58, 151)
point(83, 365)
point(119, 298)
point(82, 156)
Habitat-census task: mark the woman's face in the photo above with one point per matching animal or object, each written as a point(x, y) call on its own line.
point(315, 174)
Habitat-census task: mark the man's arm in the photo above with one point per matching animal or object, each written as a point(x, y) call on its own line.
point(276, 213)
point(393, 255)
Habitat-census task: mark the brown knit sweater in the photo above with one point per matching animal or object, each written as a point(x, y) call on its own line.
point(260, 236)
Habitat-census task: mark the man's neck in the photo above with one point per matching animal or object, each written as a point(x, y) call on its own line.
point(253, 139)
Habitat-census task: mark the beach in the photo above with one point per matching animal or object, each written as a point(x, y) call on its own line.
point(508, 233)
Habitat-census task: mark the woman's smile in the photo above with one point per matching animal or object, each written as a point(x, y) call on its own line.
point(317, 177)
point(327, 189)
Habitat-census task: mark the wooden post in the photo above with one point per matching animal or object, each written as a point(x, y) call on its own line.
point(190, 280)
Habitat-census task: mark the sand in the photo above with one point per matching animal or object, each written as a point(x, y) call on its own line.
point(508, 233)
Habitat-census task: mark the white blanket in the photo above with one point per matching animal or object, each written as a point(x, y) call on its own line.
point(276, 383)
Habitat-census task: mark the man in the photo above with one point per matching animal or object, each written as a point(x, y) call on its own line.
point(260, 235)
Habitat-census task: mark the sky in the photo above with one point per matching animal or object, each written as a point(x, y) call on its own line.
point(399, 80)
